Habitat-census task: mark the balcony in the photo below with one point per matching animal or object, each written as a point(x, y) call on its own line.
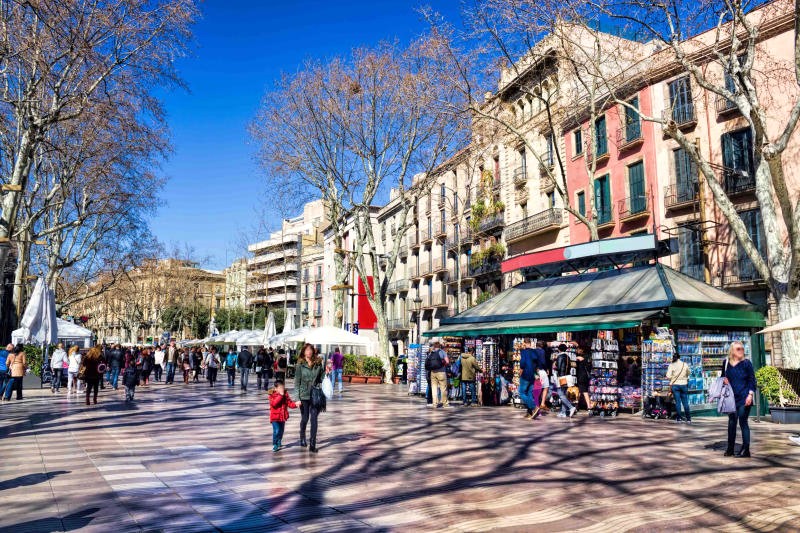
point(547, 184)
point(630, 137)
point(492, 223)
point(425, 269)
point(462, 238)
point(725, 106)
point(441, 202)
point(414, 272)
point(399, 324)
point(428, 205)
point(680, 197)
point(695, 271)
point(739, 273)
point(402, 253)
point(318, 313)
point(439, 300)
point(543, 222)
point(601, 155)
point(401, 285)
point(486, 268)
point(440, 232)
point(605, 219)
point(634, 208)
point(682, 117)
point(413, 239)
point(439, 265)
point(521, 196)
point(426, 236)
point(521, 176)
point(736, 181)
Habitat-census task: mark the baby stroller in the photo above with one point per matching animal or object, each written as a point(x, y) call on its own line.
point(656, 407)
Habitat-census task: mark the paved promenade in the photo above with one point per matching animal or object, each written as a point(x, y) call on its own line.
point(189, 458)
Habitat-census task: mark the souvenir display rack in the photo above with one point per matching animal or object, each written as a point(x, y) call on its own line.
point(656, 357)
point(705, 351)
point(452, 347)
point(604, 387)
point(417, 377)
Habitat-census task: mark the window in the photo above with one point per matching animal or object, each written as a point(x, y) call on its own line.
point(305, 274)
point(442, 191)
point(551, 199)
point(601, 146)
point(602, 199)
point(467, 197)
point(755, 228)
point(319, 271)
point(633, 126)
point(685, 176)
point(680, 100)
point(636, 188)
point(455, 203)
point(581, 196)
point(691, 253)
point(577, 136)
point(318, 290)
point(550, 155)
point(443, 227)
point(430, 227)
point(523, 161)
point(737, 158)
point(496, 169)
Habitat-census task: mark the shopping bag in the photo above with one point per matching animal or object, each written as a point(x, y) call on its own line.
point(327, 388)
point(726, 403)
point(715, 390)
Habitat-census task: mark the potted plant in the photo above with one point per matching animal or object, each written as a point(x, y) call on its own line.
point(393, 366)
point(784, 404)
point(373, 369)
point(349, 367)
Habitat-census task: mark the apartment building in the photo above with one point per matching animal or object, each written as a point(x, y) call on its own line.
point(236, 284)
point(312, 279)
point(273, 273)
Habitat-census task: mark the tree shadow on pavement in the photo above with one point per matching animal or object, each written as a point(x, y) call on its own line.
point(30, 479)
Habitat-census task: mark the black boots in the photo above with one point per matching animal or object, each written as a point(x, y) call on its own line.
point(744, 452)
point(303, 441)
point(313, 447)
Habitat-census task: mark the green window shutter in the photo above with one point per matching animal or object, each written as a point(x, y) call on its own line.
point(601, 147)
point(602, 199)
point(582, 203)
point(632, 123)
point(636, 188)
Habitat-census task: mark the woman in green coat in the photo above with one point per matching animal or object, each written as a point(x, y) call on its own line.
point(307, 373)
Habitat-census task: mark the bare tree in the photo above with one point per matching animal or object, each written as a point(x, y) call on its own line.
point(351, 129)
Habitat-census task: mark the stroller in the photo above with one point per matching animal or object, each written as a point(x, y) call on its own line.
point(656, 407)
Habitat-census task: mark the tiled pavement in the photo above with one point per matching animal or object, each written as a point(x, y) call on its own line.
point(190, 458)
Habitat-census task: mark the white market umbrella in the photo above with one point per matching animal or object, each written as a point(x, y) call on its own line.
point(269, 329)
point(791, 323)
point(212, 327)
point(39, 318)
point(288, 321)
point(329, 336)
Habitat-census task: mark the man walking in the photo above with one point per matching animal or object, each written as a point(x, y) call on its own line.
point(469, 367)
point(158, 361)
point(57, 366)
point(529, 364)
point(172, 359)
point(245, 361)
point(437, 363)
point(337, 361)
point(230, 366)
point(561, 371)
point(115, 360)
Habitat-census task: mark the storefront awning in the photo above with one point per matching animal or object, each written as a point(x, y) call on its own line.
point(701, 316)
point(544, 325)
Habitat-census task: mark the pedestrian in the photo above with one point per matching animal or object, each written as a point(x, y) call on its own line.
point(308, 373)
point(17, 364)
point(560, 373)
point(739, 374)
point(469, 368)
point(212, 366)
point(529, 365)
point(116, 360)
point(57, 366)
point(130, 377)
point(158, 362)
point(92, 367)
point(281, 365)
point(678, 376)
point(74, 356)
point(4, 374)
point(262, 368)
point(197, 364)
point(186, 365)
point(279, 404)
point(583, 370)
point(337, 364)
point(147, 366)
point(230, 366)
point(171, 357)
point(270, 365)
point(245, 362)
point(436, 363)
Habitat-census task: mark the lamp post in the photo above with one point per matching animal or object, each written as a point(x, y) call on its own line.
point(418, 309)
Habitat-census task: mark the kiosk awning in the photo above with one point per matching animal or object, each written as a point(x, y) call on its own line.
point(543, 325)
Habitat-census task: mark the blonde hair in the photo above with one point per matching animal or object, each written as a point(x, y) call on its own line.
point(73, 349)
point(730, 350)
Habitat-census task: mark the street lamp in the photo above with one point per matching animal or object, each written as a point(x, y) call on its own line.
point(418, 308)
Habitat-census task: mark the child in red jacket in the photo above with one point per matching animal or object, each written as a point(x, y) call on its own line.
point(279, 404)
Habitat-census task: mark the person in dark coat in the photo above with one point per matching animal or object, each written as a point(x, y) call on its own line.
point(262, 368)
point(739, 374)
point(92, 366)
point(583, 369)
point(307, 374)
point(130, 377)
point(115, 363)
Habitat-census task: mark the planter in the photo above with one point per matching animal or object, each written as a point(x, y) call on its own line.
point(347, 379)
point(785, 415)
point(374, 379)
point(396, 380)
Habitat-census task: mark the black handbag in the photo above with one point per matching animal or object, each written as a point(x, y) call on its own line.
point(318, 400)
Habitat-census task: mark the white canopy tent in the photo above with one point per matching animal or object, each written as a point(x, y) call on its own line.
point(66, 332)
point(327, 336)
point(791, 323)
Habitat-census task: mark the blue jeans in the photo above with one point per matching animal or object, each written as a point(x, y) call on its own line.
point(243, 378)
point(114, 376)
point(468, 386)
point(231, 376)
point(741, 415)
point(277, 432)
point(566, 405)
point(681, 393)
point(336, 374)
point(526, 394)
point(170, 372)
point(11, 384)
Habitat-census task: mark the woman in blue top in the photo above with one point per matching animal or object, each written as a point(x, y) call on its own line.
point(742, 379)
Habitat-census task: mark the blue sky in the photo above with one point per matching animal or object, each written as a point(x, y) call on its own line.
point(214, 187)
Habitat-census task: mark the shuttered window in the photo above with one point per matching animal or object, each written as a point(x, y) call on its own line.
point(636, 192)
point(602, 199)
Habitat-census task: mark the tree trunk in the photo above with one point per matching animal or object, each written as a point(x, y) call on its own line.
point(790, 339)
point(384, 345)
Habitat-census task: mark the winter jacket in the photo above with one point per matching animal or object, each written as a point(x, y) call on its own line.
point(3, 357)
point(58, 359)
point(115, 359)
point(562, 364)
point(230, 361)
point(74, 362)
point(469, 367)
point(305, 377)
point(678, 373)
point(130, 376)
point(529, 363)
point(89, 366)
point(279, 405)
point(245, 359)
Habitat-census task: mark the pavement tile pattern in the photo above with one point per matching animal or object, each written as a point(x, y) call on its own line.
point(189, 458)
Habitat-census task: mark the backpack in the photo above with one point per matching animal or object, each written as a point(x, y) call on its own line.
point(455, 368)
point(230, 362)
point(433, 363)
